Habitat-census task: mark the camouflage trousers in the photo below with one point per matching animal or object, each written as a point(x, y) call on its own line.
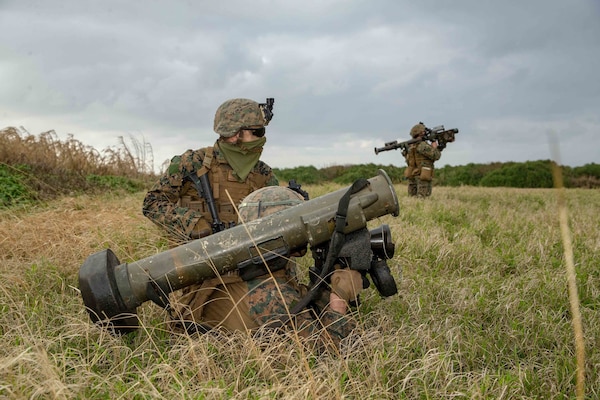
point(235, 305)
point(419, 188)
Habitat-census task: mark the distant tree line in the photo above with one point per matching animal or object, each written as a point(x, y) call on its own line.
point(529, 174)
point(38, 168)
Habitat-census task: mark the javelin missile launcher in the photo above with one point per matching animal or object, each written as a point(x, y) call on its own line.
point(112, 290)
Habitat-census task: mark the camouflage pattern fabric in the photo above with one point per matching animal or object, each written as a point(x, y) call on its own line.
point(419, 188)
point(163, 206)
point(227, 301)
point(418, 156)
point(271, 298)
point(417, 130)
point(266, 201)
point(236, 305)
point(412, 187)
point(161, 202)
point(235, 114)
point(428, 151)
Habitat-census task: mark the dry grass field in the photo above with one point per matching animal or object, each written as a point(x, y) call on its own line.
point(482, 311)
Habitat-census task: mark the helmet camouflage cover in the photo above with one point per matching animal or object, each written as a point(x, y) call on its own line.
point(417, 130)
point(238, 113)
point(266, 201)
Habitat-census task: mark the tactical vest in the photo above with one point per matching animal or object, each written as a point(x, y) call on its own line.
point(416, 161)
point(222, 181)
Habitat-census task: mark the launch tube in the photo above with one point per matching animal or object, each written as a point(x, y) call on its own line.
point(110, 289)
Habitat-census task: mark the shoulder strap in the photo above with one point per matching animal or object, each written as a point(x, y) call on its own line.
point(207, 161)
point(335, 245)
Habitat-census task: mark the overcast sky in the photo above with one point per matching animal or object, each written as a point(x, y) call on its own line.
point(346, 76)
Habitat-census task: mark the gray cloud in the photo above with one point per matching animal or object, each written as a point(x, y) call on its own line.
point(346, 76)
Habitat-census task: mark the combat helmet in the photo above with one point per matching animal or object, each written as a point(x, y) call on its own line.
point(235, 114)
point(417, 130)
point(267, 201)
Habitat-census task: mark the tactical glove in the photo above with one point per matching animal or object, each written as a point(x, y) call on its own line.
point(201, 229)
point(347, 284)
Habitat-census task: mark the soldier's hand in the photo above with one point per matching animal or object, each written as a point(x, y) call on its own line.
point(201, 229)
point(346, 283)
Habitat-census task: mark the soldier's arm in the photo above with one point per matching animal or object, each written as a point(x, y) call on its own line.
point(160, 204)
point(264, 169)
point(273, 181)
point(429, 151)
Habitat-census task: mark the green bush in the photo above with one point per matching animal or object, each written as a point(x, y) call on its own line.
point(342, 174)
point(115, 182)
point(14, 190)
point(303, 175)
point(357, 172)
point(592, 170)
point(468, 174)
point(531, 174)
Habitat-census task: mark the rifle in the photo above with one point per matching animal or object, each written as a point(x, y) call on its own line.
point(437, 134)
point(296, 187)
point(112, 291)
point(205, 191)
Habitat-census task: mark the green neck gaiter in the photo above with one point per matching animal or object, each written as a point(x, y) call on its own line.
point(243, 156)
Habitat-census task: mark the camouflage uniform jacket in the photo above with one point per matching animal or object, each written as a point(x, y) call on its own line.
point(174, 204)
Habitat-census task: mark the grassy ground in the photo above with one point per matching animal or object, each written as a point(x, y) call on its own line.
point(482, 311)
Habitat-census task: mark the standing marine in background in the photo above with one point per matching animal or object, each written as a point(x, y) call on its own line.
point(177, 203)
point(420, 157)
